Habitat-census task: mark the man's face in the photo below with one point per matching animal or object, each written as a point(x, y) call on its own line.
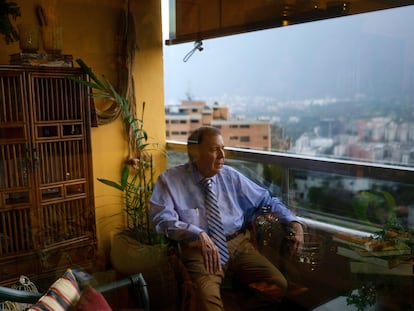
point(210, 155)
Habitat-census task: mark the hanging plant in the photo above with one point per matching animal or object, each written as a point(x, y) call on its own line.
point(8, 10)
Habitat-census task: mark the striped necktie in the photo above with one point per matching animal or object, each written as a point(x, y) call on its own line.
point(215, 226)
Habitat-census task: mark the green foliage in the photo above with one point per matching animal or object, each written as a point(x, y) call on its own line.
point(362, 297)
point(137, 189)
point(7, 10)
point(373, 206)
point(137, 176)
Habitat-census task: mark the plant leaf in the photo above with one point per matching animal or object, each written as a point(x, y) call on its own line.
point(111, 184)
point(124, 176)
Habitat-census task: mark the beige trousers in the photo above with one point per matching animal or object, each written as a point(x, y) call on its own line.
point(246, 264)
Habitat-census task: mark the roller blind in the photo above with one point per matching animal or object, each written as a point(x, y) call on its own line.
point(193, 20)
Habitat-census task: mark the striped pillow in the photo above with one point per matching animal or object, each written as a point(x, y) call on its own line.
point(61, 296)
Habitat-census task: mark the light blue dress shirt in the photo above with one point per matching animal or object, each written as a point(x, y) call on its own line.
point(177, 202)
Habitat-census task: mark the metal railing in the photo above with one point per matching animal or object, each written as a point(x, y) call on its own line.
point(291, 162)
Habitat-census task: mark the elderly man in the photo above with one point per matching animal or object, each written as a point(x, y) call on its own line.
point(204, 205)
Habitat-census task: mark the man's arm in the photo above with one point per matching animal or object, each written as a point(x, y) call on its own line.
point(164, 212)
point(166, 221)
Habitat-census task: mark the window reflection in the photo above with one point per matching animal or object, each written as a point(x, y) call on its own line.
point(352, 200)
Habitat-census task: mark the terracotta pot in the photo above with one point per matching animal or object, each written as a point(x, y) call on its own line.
point(128, 256)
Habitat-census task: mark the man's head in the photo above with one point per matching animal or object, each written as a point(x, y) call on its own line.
point(206, 150)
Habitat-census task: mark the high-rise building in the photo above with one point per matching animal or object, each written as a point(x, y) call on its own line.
point(181, 121)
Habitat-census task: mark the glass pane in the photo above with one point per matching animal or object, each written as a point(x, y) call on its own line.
point(339, 88)
point(355, 202)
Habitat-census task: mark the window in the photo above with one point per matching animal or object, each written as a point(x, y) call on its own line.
point(345, 94)
point(245, 139)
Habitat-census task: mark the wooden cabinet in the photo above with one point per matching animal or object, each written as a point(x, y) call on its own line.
point(47, 220)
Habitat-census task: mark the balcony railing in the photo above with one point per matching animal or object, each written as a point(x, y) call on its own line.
point(338, 199)
point(338, 195)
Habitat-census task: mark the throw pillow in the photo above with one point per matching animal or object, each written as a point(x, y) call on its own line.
point(91, 299)
point(62, 295)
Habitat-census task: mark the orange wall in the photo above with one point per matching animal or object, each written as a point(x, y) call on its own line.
point(89, 32)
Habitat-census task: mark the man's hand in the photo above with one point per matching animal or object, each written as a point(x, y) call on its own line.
point(299, 240)
point(210, 253)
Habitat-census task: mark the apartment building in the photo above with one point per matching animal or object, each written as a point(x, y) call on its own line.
point(237, 132)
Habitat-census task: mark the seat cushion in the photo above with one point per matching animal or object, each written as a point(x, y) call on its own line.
point(90, 300)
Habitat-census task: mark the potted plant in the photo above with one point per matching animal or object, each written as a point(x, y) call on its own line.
point(137, 175)
point(137, 247)
point(7, 10)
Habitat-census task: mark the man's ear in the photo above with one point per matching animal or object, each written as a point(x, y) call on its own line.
point(193, 152)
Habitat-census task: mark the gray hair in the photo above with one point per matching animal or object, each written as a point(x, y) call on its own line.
point(197, 137)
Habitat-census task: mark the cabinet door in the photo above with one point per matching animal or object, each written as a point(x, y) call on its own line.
point(16, 167)
point(59, 111)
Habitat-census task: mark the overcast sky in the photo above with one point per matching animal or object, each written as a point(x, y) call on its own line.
point(337, 57)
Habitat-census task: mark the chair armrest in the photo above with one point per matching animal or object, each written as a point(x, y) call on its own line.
point(16, 295)
point(135, 281)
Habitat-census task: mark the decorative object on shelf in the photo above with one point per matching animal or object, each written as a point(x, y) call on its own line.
point(7, 10)
point(29, 38)
point(52, 32)
point(52, 39)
